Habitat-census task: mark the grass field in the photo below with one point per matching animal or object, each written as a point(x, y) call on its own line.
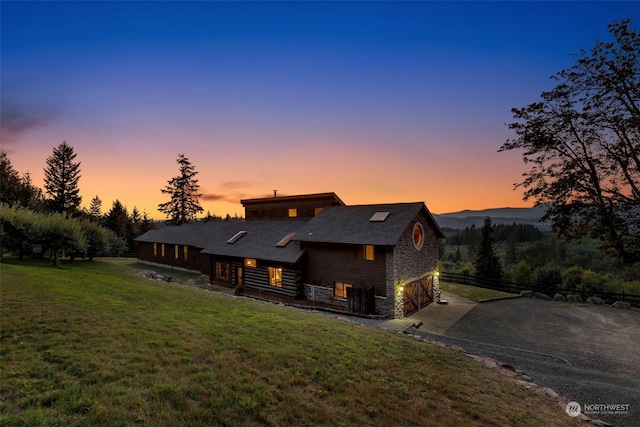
point(93, 344)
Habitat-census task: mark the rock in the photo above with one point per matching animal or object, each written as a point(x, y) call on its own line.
point(527, 384)
point(152, 275)
point(601, 423)
point(546, 391)
point(574, 298)
point(505, 366)
point(540, 295)
point(526, 294)
point(595, 301)
point(559, 297)
point(621, 305)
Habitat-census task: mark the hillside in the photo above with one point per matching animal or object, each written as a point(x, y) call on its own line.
point(92, 343)
point(467, 218)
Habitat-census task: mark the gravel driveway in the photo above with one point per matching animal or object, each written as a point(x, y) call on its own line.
point(589, 354)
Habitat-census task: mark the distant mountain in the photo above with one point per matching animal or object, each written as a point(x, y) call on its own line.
point(467, 218)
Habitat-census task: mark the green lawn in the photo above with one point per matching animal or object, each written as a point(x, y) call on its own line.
point(473, 293)
point(93, 344)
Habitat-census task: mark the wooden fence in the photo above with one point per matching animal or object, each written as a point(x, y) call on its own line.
point(550, 289)
point(361, 300)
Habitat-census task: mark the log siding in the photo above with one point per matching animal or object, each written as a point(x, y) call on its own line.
point(194, 260)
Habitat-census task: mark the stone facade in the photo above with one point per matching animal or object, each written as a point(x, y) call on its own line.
point(407, 263)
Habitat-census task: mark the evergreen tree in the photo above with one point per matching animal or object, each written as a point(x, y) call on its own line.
point(30, 195)
point(146, 224)
point(9, 181)
point(61, 178)
point(183, 205)
point(117, 220)
point(95, 208)
point(15, 189)
point(487, 262)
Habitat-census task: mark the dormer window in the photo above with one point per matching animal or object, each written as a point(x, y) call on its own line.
point(293, 212)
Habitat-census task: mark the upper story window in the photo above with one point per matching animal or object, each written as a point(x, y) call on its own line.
point(293, 212)
point(367, 252)
point(418, 236)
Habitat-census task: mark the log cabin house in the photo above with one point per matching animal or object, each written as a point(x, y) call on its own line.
point(314, 247)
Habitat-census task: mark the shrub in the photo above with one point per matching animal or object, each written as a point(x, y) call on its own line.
point(548, 278)
point(521, 273)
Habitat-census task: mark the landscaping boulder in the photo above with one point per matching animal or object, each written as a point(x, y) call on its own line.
point(595, 301)
point(622, 305)
point(526, 294)
point(574, 298)
point(152, 275)
point(540, 295)
point(559, 297)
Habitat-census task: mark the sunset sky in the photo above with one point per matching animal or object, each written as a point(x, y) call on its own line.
point(379, 102)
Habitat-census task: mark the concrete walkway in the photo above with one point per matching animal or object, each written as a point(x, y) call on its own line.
point(437, 318)
point(434, 318)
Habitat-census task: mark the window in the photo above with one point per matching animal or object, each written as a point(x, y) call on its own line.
point(316, 211)
point(236, 236)
point(222, 270)
point(340, 289)
point(418, 235)
point(185, 252)
point(286, 239)
point(379, 216)
point(250, 262)
point(162, 250)
point(176, 251)
point(366, 252)
point(155, 249)
point(293, 212)
point(275, 276)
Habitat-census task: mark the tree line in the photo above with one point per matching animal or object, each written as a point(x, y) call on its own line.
point(37, 222)
point(540, 259)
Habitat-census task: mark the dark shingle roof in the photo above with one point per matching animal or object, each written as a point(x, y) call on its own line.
point(195, 234)
point(301, 197)
point(260, 240)
point(352, 225)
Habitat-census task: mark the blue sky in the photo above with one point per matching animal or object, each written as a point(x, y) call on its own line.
point(377, 101)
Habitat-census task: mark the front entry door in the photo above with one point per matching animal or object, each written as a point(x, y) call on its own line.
point(239, 276)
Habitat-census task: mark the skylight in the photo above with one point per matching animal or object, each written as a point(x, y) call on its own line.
point(236, 236)
point(379, 216)
point(282, 243)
